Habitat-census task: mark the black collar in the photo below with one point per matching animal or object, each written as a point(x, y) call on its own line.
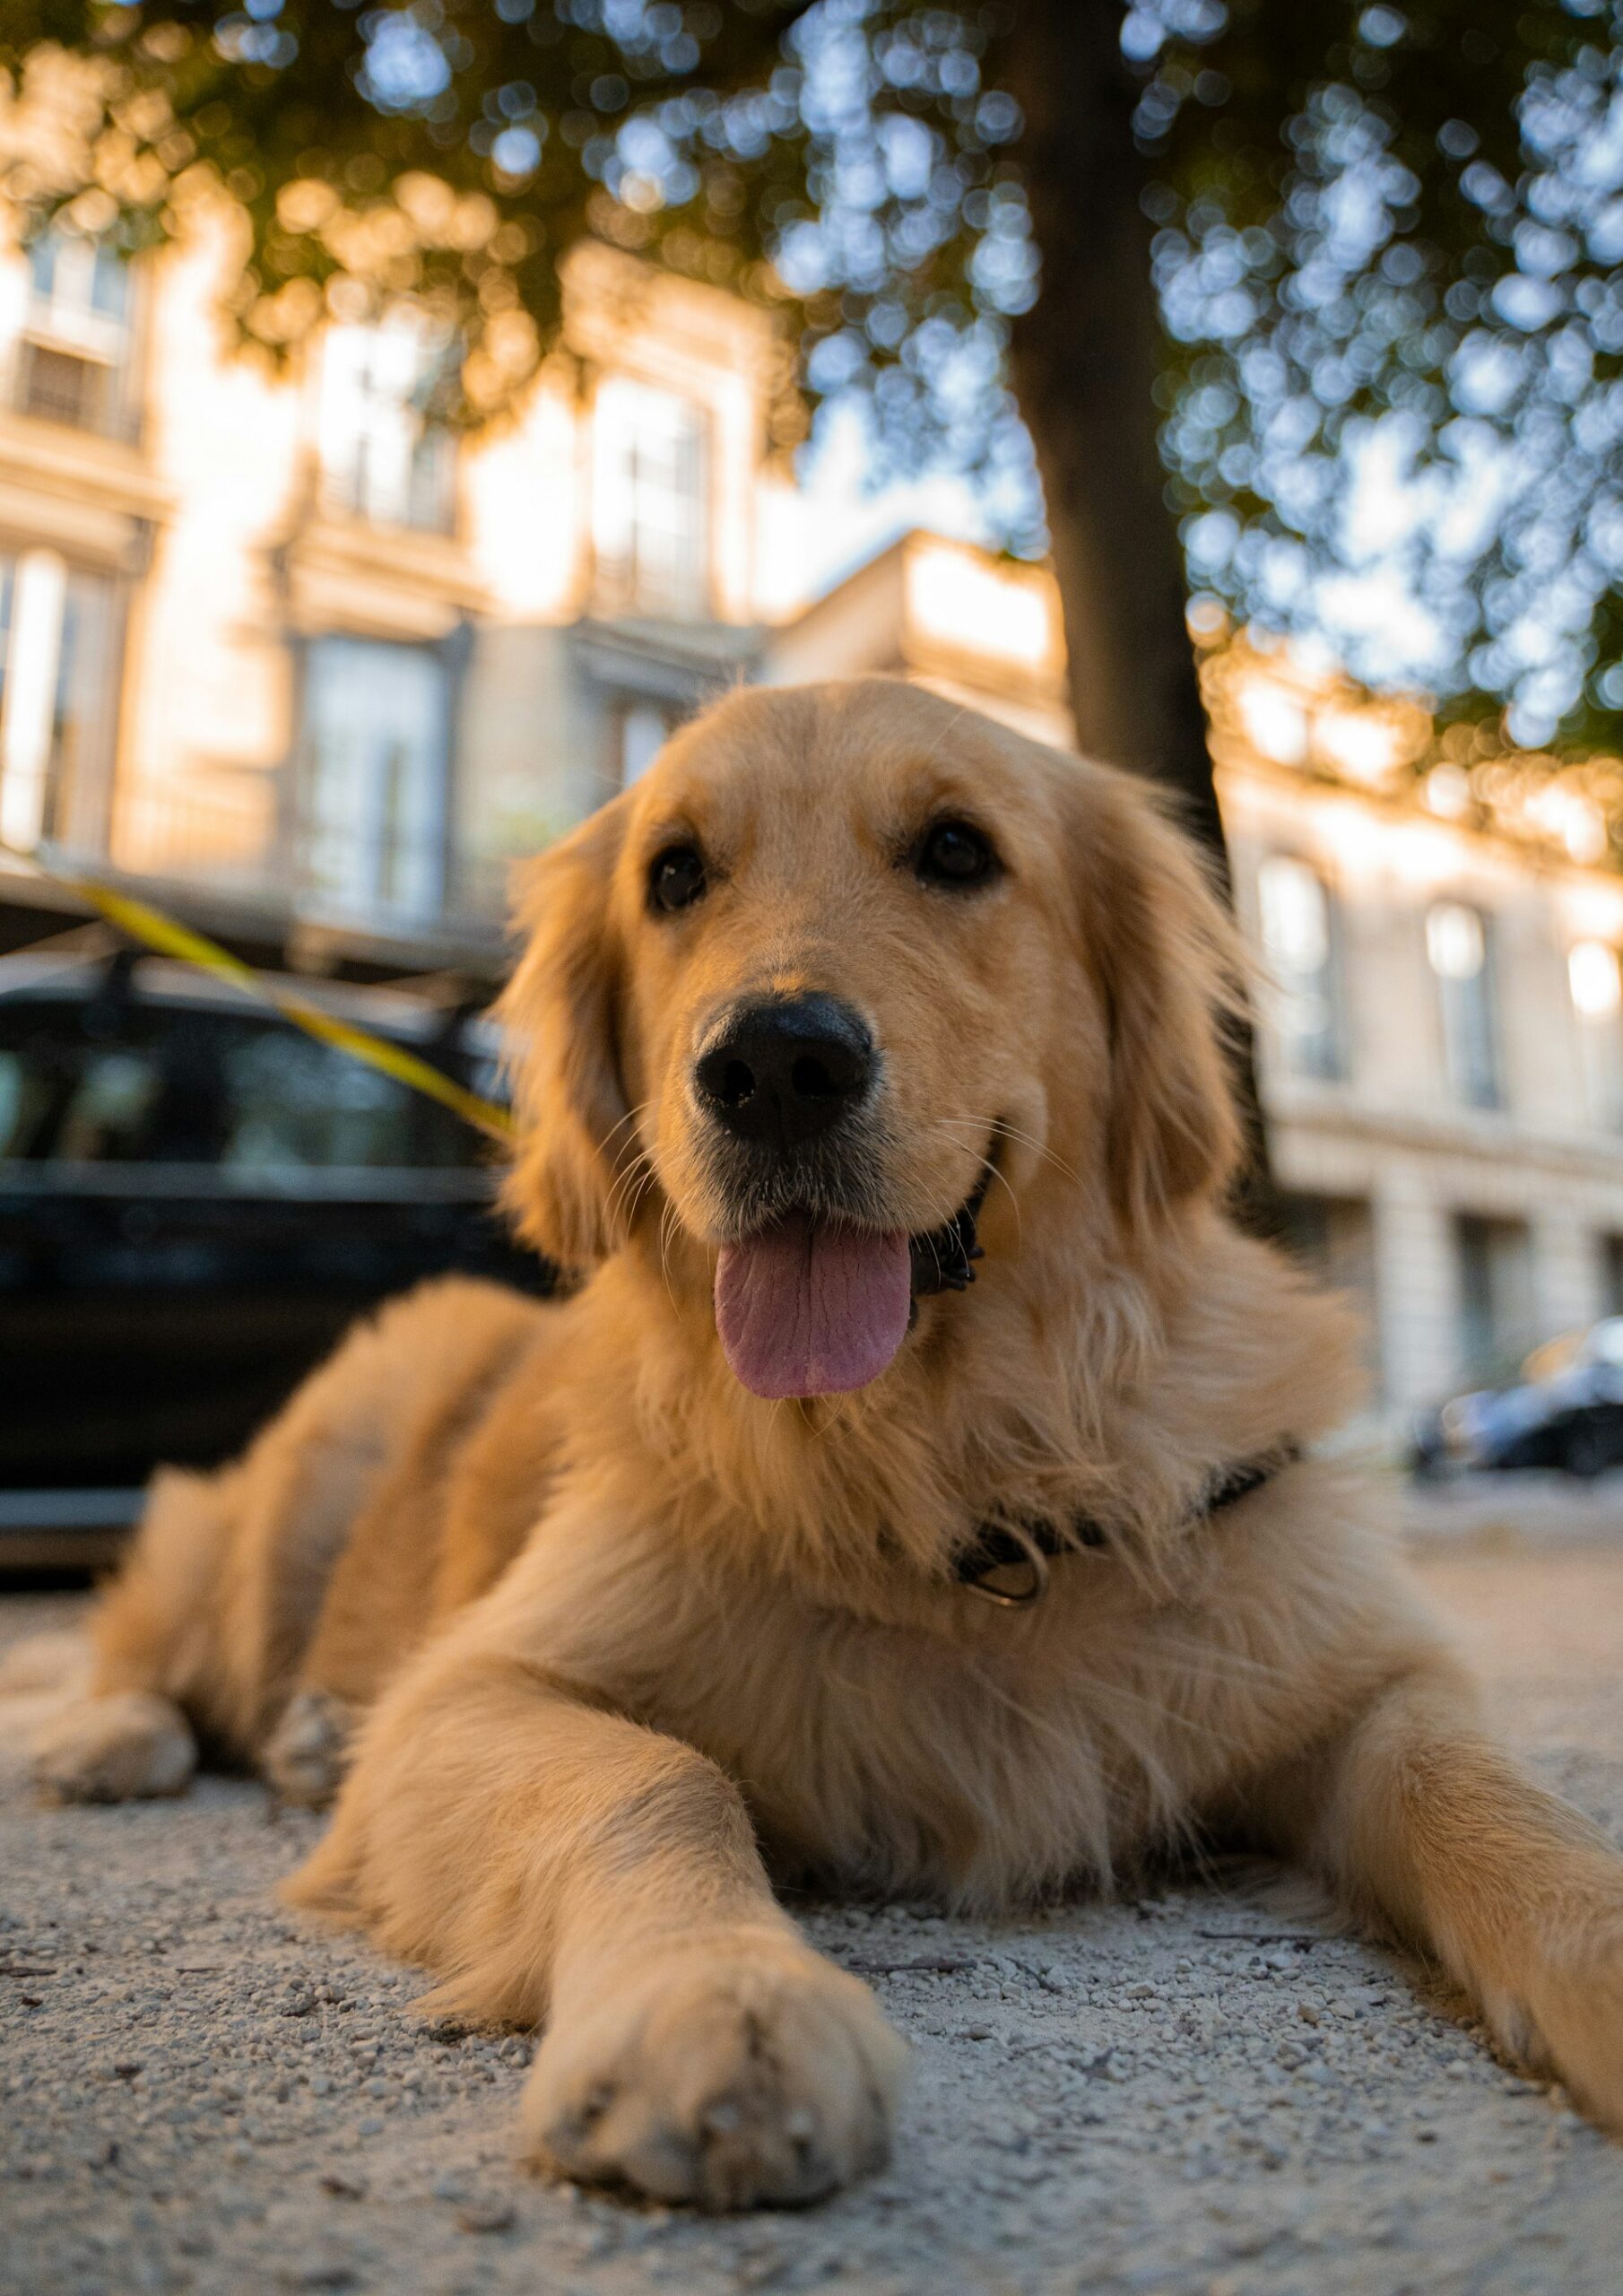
point(1029, 1547)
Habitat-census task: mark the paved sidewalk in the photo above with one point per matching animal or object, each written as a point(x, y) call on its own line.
point(1511, 1513)
point(1185, 2095)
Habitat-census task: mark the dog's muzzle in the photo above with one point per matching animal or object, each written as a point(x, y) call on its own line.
point(818, 1284)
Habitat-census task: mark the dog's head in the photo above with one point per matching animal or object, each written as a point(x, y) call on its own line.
point(842, 948)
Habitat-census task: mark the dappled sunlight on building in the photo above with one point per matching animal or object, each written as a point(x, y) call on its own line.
point(979, 630)
point(278, 633)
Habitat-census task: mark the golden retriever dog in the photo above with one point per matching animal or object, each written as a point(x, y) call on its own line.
point(921, 1491)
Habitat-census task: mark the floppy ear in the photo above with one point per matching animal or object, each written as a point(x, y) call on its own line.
point(1172, 968)
point(559, 1014)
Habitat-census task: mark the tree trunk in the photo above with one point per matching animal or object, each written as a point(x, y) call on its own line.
point(1085, 360)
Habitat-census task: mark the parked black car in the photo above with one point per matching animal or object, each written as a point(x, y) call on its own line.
point(1566, 1412)
point(194, 1199)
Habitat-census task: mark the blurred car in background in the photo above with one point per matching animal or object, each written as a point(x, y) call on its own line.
point(196, 1198)
point(1565, 1412)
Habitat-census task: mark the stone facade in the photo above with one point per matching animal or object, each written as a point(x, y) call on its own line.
point(320, 664)
point(1474, 1231)
point(274, 643)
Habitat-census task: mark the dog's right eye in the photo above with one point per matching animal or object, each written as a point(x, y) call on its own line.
point(676, 877)
point(955, 854)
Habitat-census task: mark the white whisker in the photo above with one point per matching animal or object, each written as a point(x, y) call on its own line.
point(666, 1225)
point(1001, 1128)
point(992, 1173)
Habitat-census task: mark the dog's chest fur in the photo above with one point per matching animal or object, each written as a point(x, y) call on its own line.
point(972, 1755)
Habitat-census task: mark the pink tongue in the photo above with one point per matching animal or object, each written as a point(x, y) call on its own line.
point(810, 1309)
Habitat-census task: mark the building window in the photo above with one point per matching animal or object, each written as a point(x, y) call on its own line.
point(58, 680)
point(1597, 996)
point(75, 359)
point(383, 457)
point(373, 802)
point(1459, 947)
point(1496, 1299)
point(1299, 941)
point(649, 520)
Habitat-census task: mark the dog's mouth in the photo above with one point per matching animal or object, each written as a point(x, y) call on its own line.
point(820, 1306)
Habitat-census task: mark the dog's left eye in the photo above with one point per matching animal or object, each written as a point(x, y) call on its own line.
point(954, 854)
point(676, 877)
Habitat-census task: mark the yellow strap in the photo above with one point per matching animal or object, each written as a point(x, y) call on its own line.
point(171, 938)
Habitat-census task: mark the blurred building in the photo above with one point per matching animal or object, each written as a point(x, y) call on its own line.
point(282, 642)
point(1443, 1049)
point(287, 650)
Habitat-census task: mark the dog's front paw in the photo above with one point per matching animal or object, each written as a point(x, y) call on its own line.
point(736, 2071)
point(307, 1752)
point(125, 1747)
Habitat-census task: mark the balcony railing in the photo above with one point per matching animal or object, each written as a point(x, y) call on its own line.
point(84, 386)
point(236, 842)
point(417, 490)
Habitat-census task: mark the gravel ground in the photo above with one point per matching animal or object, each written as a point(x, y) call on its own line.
point(1190, 2093)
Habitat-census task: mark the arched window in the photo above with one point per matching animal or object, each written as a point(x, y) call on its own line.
point(374, 797)
point(1299, 942)
point(1459, 948)
point(383, 457)
point(649, 513)
point(60, 642)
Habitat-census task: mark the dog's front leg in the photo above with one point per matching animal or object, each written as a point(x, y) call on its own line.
point(1420, 1820)
point(552, 1859)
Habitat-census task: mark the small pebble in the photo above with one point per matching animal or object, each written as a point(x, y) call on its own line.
point(486, 2216)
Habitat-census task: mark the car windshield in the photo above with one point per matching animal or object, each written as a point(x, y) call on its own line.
point(133, 1082)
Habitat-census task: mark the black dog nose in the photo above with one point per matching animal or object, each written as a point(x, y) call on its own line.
point(782, 1069)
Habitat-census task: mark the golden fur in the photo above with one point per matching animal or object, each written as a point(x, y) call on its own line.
point(613, 1636)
